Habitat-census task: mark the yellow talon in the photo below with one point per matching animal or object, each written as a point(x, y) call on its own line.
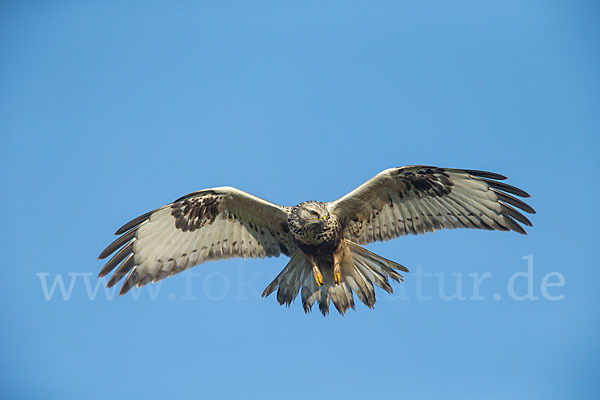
point(337, 274)
point(318, 275)
point(338, 278)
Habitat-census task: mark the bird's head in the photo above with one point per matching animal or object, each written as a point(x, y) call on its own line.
point(310, 214)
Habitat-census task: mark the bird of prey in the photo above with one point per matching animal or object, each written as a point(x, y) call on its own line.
point(323, 240)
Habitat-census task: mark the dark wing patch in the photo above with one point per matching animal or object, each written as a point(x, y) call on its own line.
point(426, 182)
point(193, 213)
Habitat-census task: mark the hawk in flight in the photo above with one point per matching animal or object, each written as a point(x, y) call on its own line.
point(323, 240)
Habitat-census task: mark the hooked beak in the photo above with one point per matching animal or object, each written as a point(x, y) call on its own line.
point(321, 218)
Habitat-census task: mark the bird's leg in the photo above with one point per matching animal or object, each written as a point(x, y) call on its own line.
point(337, 269)
point(337, 273)
point(316, 271)
point(318, 275)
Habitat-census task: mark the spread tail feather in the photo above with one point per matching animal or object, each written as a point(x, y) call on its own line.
point(360, 270)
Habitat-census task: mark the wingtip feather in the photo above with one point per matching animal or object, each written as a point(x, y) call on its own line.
point(133, 223)
point(485, 174)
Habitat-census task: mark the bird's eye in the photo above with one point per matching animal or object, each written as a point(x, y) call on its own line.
point(314, 214)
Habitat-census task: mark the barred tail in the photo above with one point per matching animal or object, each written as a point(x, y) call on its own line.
point(360, 270)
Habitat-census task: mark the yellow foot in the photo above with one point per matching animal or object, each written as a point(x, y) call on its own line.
point(318, 275)
point(337, 275)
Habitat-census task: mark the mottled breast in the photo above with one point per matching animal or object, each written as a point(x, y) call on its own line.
point(316, 238)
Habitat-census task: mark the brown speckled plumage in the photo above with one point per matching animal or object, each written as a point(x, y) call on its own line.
point(193, 213)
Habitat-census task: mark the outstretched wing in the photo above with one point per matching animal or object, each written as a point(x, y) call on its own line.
point(211, 224)
point(419, 199)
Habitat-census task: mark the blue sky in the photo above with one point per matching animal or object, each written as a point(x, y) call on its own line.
point(109, 110)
